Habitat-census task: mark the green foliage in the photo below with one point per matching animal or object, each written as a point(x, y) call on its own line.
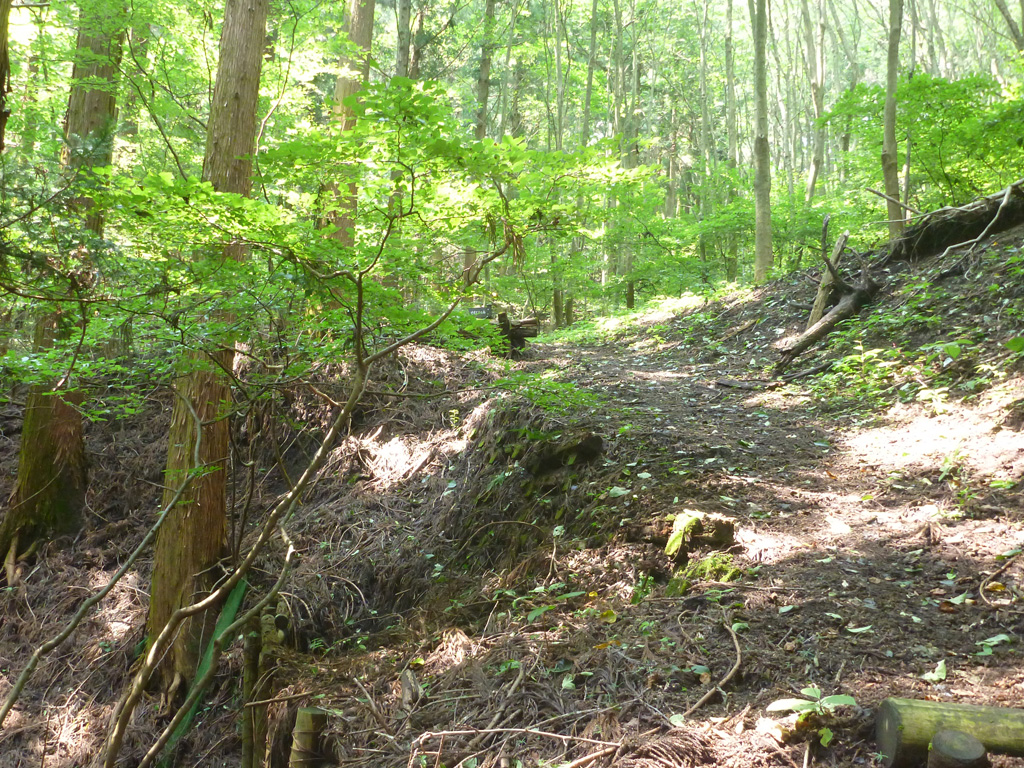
point(964, 135)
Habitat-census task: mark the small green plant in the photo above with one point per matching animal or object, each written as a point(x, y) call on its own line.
point(813, 705)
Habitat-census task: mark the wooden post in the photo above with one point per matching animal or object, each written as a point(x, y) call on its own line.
point(250, 682)
point(905, 727)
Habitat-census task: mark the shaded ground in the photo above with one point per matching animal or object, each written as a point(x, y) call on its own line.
point(469, 571)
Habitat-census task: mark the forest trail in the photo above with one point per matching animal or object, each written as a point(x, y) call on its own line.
point(876, 534)
point(449, 597)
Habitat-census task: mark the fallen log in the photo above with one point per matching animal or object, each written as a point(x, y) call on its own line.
point(851, 303)
point(905, 727)
point(947, 228)
point(828, 281)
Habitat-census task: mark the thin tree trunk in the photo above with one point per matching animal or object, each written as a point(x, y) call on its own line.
point(404, 38)
point(483, 83)
point(191, 540)
point(762, 161)
point(731, 244)
point(354, 72)
point(814, 35)
point(890, 171)
point(1011, 24)
point(416, 61)
point(5, 68)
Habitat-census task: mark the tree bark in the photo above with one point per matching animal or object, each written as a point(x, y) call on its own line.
point(191, 540)
point(1011, 25)
point(890, 170)
point(50, 489)
point(5, 68)
point(404, 38)
point(762, 163)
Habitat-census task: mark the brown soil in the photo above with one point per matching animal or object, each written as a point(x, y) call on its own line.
point(478, 588)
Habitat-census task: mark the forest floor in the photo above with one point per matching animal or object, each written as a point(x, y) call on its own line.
point(483, 582)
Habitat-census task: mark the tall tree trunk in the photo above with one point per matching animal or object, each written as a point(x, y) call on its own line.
point(483, 82)
point(762, 161)
point(588, 97)
point(890, 170)
point(5, 68)
point(50, 488)
point(814, 41)
point(354, 72)
point(404, 38)
point(483, 93)
point(191, 540)
point(731, 241)
point(1011, 25)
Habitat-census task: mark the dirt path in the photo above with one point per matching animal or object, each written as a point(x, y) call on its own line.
point(871, 537)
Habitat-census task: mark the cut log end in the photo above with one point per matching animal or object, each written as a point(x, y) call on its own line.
point(956, 749)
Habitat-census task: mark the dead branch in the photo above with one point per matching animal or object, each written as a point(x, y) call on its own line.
point(829, 280)
point(901, 204)
point(848, 306)
point(732, 672)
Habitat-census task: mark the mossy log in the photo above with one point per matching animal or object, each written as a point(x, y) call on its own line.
point(905, 727)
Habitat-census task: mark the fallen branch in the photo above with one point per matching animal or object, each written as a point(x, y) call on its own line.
point(848, 306)
point(423, 737)
point(732, 672)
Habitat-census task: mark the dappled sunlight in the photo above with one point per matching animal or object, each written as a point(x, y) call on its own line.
point(954, 436)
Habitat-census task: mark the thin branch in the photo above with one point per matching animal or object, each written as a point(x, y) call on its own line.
point(893, 200)
point(735, 668)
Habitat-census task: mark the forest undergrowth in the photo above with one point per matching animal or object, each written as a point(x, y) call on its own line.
point(484, 577)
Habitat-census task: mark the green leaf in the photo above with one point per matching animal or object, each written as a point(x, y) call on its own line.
point(860, 630)
point(617, 491)
point(838, 700)
point(675, 541)
point(677, 720)
point(995, 640)
point(938, 675)
point(1016, 344)
point(790, 705)
point(536, 613)
point(811, 692)
point(825, 735)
